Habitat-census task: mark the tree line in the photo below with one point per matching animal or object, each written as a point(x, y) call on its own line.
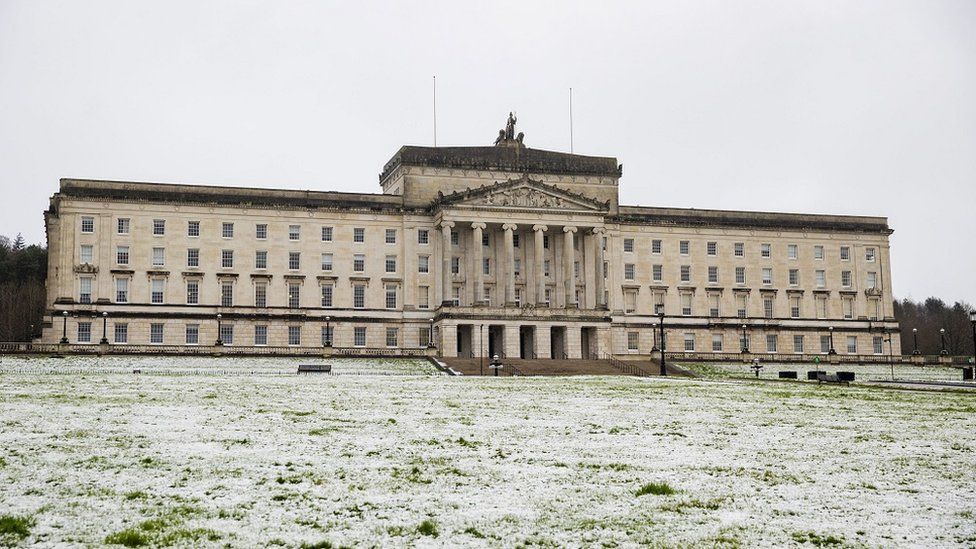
point(22, 273)
point(930, 316)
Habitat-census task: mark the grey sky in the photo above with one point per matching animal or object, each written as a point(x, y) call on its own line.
point(823, 107)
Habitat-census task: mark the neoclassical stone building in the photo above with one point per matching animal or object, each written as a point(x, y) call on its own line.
point(475, 250)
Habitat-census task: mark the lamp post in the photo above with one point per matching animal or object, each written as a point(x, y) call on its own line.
point(664, 368)
point(481, 350)
point(219, 342)
point(328, 331)
point(745, 340)
point(64, 330)
point(891, 359)
point(104, 340)
point(915, 338)
point(496, 364)
point(430, 334)
point(654, 348)
point(972, 321)
point(943, 352)
point(832, 351)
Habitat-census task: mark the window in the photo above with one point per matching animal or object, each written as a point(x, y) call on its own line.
point(629, 271)
point(390, 236)
point(658, 303)
point(391, 296)
point(766, 250)
point(791, 251)
point(359, 263)
point(423, 336)
point(686, 304)
point(628, 245)
point(226, 294)
point(869, 254)
point(794, 277)
point(192, 334)
point(684, 247)
point(156, 333)
point(192, 292)
point(486, 296)
point(294, 232)
point(193, 257)
point(392, 337)
point(743, 342)
point(123, 225)
point(359, 296)
point(227, 259)
point(260, 334)
point(713, 275)
point(546, 271)
point(327, 262)
point(821, 278)
point(848, 304)
point(877, 344)
point(686, 273)
point(294, 295)
point(767, 276)
point(689, 342)
point(121, 290)
point(359, 336)
point(84, 332)
point(485, 240)
point(227, 334)
point(327, 335)
point(455, 238)
point(633, 340)
point(845, 253)
point(159, 227)
point(825, 344)
point(122, 255)
point(630, 301)
point(739, 249)
point(518, 297)
point(741, 300)
point(87, 224)
point(121, 332)
point(455, 265)
point(852, 345)
point(874, 305)
point(423, 264)
point(456, 296)
point(87, 253)
point(84, 289)
point(156, 291)
point(548, 297)
point(486, 266)
point(158, 257)
point(423, 297)
point(657, 272)
point(359, 234)
point(294, 260)
point(794, 307)
point(713, 301)
point(326, 234)
point(717, 343)
point(798, 343)
point(227, 230)
point(872, 279)
point(261, 294)
point(772, 343)
point(545, 242)
point(261, 259)
point(740, 275)
point(818, 253)
point(711, 248)
point(294, 335)
point(261, 231)
point(845, 279)
point(423, 237)
point(821, 306)
point(193, 228)
point(391, 262)
point(768, 307)
point(327, 295)
point(516, 240)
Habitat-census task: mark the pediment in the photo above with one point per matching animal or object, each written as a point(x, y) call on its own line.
point(522, 193)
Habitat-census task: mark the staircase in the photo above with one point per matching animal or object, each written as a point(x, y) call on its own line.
point(538, 367)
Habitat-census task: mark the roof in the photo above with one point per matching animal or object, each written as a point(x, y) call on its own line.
point(758, 220)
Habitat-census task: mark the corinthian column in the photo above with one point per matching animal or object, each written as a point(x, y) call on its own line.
point(569, 275)
point(540, 258)
point(446, 279)
point(479, 269)
point(599, 283)
point(509, 229)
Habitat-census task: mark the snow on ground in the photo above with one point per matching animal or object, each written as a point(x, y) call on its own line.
point(445, 461)
point(863, 372)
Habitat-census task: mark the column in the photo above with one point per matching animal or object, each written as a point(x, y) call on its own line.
point(540, 257)
point(569, 256)
point(509, 229)
point(599, 282)
point(479, 269)
point(446, 279)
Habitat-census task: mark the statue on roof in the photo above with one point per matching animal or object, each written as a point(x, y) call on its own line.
point(510, 126)
point(507, 136)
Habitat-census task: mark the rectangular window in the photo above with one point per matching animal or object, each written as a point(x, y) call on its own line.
point(327, 262)
point(159, 227)
point(794, 277)
point(227, 230)
point(193, 228)
point(713, 275)
point(766, 250)
point(486, 297)
point(657, 272)
point(545, 242)
point(359, 296)
point(326, 234)
point(294, 260)
point(845, 253)
point(359, 263)
point(327, 295)
point(392, 337)
point(85, 289)
point(158, 257)
point(792, 251)
point(391, 262)
point(772, 343)
point(686, 304)
point(872, 280)
point(227, 334)
point(192, 257)
point(423, 237)
point(156, 291)
point(84, 332)
point(423, 336)
point(261, 259)
point(821, 278)
point(630, 301)
point(87, 225)
point(818, 252)
point(359, 234)
point(875, 308)
point(629, 271)
point(123, 225)
point(518, 297)
point(391, 296)
point(423, 264)
point(658, 303)
point(261, 294)
point(877, 343)
point(767, 276)
point(546, 271)
point(121, 290)
point(825, 344)
point(821, 306)
point(516, 240)
point(87, 253)
point(261, 231)
point(260, 334)
point(486, 266)
point(848, 303)
point(548, 298)
point(686, 273)
point(689, 342)
point(294, 335)
point(794, 307)
point(656, 246)
point(743, 342)
point(227, 259)
point(485, 240)
point(740, 249)
point(684, 247)
point(869, 254)
point(741, 305)
point(768, 307)
point(226, 294)
point(294, 295)
point(359, 336)
point(390, 237)
point(798, 343)
point(192, 334)
point(717, 343)
point(121, 332)
point(423, 297)
point(633, 341)
point(714, 301)
point(852, 345)
point(711, 248)
point(455, 265)
point(455, 238)
point(156, 333)
point(740, 275)
point(845, 279)
point(122, 255)
point(294, 232)
point(327, 335)
point(628, 245)
point(192, 292)
point(456, 296)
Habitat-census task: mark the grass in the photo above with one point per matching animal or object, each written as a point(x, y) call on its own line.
point(129, 538)
point(15, 528)
point(655, 489)
point(428, 528)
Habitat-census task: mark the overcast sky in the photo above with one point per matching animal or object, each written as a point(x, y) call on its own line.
point(823, 107)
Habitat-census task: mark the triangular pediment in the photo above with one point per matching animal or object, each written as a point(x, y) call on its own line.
point(521, 193)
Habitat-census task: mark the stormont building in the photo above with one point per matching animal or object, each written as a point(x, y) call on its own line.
point(468, 251)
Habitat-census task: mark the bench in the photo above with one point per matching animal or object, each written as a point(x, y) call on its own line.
point(786, 374)
point(314, 368)
point(830, 378)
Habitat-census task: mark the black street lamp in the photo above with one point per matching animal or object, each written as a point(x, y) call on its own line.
point(219, 341)
point(481, 351)
point(654, 348)
point(915, 350)
point(943, 352)
point(104, 340)
point(64, 330)
point(745, 340)
point(328, 331)
point(430, 335)
point(972, 321)
point(496, 364)
point(664, 368)
point(832, 351)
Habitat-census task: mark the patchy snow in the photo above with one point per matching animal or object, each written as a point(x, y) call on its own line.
point(365, 460)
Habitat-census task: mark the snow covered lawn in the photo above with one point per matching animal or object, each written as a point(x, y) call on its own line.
point(441, 461)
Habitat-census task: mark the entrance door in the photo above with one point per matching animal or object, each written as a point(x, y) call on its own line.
point(527, 342)
point(496, 341)
point(465, 348)
point(557, 342)
point(588, 344)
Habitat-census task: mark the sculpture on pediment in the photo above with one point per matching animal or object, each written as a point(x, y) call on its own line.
point(524, 197)
point(507, 136)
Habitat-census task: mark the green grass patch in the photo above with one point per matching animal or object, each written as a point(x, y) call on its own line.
point(428, 528)
point(655, 489)
point(129, 537)
point(817, 539)
point(15, 528)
